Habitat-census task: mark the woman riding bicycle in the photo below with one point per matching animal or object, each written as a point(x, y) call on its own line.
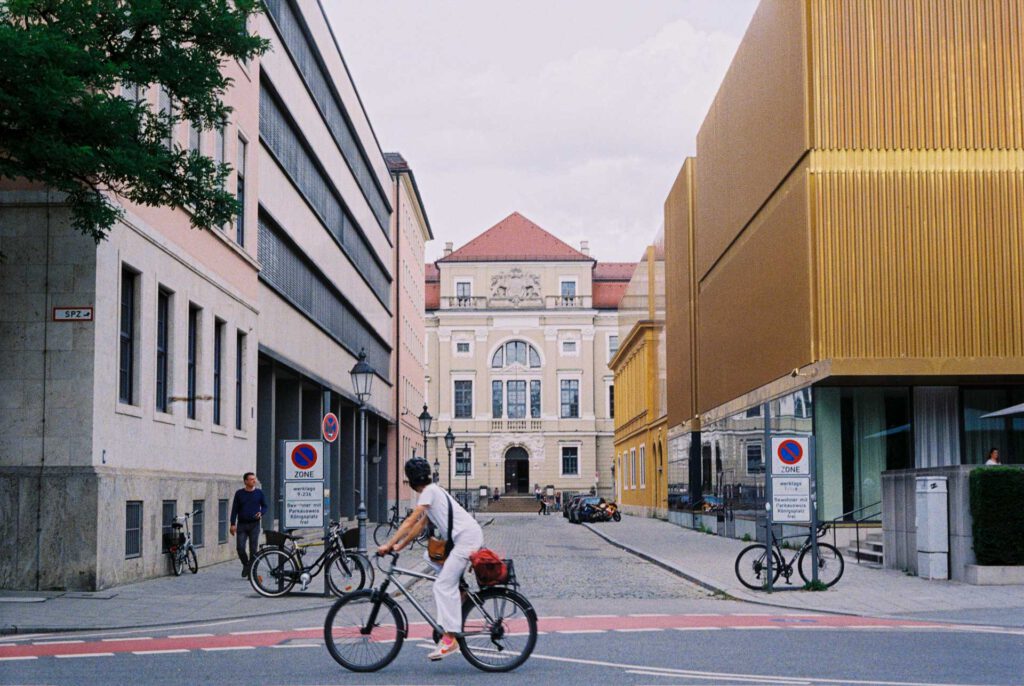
point(437, 506)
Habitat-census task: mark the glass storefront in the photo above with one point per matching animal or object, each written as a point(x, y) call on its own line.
point(1003, 433)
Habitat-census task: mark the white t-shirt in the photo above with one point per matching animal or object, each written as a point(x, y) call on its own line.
point(438, 501)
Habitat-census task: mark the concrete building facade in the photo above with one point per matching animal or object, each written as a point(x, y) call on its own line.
point(520, 329)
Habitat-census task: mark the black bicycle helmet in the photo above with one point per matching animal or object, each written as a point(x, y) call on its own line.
point(417, 471)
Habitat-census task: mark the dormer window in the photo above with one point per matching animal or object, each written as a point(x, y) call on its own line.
point(515, 352)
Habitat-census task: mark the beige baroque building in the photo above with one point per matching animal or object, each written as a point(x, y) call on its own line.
point(520, 329)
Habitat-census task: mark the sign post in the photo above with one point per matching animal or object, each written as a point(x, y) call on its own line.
point(305, 496)
point(791, 491)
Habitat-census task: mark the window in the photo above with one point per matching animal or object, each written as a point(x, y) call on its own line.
point(498, 361)
point(222, 520)
point(570, 460)
point(193, 357)
point(496, 393)
point(219, 153)
point(754, 411)
point(535, 399)
point(163, 311)
point(133, 92)
point(570, 398)
point(568, 347)
point(126, 390)
point(611, 402)
point(613, 346)
point(515, 352)
point(133, 529)
point(462, 347)
point(198, 523)
point(463, 462)
point(218, 355)
point(168, 512)
point(643, 466)
point(516, 399)
point(240, 191)
point(194, 138)
point(755, 459)
point(166, 106)
point(463, 292)
point(632, 467)
point(567, 289)
point(239, 362)
point(463, 399)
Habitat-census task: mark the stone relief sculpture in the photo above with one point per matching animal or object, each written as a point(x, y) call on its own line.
point(515, 286)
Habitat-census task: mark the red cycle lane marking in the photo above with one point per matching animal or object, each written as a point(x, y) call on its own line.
point(423, 631)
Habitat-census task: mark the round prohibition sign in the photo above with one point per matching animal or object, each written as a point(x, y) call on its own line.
point(304, 456)
point(330, 427)
point(790, 451)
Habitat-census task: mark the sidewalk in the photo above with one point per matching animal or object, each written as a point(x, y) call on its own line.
point(709, 561)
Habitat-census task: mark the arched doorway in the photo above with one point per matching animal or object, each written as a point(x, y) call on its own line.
point(517, 471)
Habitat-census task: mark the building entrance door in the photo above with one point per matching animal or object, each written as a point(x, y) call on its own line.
point(517, 471)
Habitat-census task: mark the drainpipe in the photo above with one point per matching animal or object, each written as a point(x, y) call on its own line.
point(398, 339)
point(42, 452)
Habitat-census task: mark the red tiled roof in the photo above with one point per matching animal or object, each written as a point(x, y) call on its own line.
point(608, 294)
point(516, 239)
point(614, 271)
point(432, 272)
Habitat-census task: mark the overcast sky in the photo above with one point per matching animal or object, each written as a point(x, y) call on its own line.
point(576, 113)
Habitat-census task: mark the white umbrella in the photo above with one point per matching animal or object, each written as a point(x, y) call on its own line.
point(1016, 409)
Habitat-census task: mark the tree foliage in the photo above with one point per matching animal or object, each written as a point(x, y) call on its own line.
point(67, 118)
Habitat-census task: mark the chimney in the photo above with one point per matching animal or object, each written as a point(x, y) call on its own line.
point(447, 248)
point(585, 247)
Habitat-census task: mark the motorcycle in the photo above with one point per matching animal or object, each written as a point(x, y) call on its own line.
point(603, 512)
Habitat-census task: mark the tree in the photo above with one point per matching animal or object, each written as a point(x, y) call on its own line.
point(68, 116)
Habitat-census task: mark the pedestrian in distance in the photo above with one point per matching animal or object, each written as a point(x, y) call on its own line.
point(536, 491)
point(993, 457)
point(543, 509)
point(464, 538)
point(247, 511)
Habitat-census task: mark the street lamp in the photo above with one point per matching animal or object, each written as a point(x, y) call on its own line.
point(425, 421)
point(449, 442)
point(437, 470)
point(362, 380)
point(465, 474)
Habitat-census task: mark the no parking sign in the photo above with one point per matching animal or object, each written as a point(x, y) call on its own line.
point(303, 460)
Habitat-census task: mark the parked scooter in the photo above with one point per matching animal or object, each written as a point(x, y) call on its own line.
point(604, 511)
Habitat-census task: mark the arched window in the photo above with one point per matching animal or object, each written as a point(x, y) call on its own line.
point(515, 352)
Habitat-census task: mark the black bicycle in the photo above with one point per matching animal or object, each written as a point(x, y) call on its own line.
point(385, 530)
point(180, 546)
point(279, 565)
point(752, 563)
point(365, 630)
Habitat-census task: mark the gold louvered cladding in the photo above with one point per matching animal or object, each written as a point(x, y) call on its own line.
point(917, 74)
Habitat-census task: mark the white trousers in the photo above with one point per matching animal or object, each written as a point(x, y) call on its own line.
point(446, 589)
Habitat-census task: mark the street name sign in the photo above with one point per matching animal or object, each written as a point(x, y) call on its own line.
point(72, 314)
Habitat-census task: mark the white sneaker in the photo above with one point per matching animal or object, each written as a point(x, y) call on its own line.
point(447, 646)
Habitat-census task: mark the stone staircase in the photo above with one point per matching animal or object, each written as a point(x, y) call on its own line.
point(871, 550)
point(512, 503)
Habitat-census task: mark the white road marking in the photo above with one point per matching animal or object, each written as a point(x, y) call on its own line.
point(86, 655)
point(132, 638)
point(55, 643)
point(190, 635)
point(218, 649)
point(309, 628)
point(674, 676)
point(297, 645)
point(581, 631)
point(595, 616)
point(253, 633)
point(697, 628)
point(649, 614)
point(636, 631)
point(159, 652)
point(19, 657)
point(97, 634)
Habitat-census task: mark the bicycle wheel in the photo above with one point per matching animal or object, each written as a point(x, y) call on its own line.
point(499, 634)
point(177, 561)
point(382, 533)
point(273, 572)
point(345, 573)
point(830, 564)
point(191, 560)
point(357, 643)
point(369, 573)
point(752, 566)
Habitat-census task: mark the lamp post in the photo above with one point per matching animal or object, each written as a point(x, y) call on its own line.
point(465, 474)
point(449, 442)
point(362, 379)
point(425, 421)
point(437, 470)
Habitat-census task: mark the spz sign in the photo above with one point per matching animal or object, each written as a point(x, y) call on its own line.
point(790, 456)
point(303, 461)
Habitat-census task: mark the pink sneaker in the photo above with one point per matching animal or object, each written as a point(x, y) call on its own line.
point(447, 646)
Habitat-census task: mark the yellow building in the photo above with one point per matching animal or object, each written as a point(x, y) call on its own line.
point(641, 414)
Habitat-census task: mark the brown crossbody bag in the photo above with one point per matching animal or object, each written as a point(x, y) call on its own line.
point(438, 549)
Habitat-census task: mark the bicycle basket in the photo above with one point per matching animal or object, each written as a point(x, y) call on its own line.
point(173, 539)
point(276, 538)
point(491, 570)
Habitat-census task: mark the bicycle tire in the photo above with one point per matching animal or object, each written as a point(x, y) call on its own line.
point(510, 616)
point(382, 532)
point(347, 641)
point(273, 572)
point(369, 571)
point(178, 562)
point(830, 565)
point(338, 580)
point(751, 569)
point(191, 560)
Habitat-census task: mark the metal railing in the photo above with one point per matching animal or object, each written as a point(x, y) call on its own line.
point(847, 517)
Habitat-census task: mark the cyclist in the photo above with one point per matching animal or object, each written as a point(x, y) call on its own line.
point(433, 505)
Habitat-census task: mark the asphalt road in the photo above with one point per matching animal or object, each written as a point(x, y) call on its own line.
point(606, 617)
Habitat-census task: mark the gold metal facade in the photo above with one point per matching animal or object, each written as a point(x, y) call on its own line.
point(681, 298)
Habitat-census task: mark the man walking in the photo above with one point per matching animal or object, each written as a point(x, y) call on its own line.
point(247, 510)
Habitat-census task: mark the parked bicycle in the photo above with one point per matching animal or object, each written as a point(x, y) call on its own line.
point(752, 563)
point(383, 531)
point(181, 550)
point(279, 565)
point(364, 630)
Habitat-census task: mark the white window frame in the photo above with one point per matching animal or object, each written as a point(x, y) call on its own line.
point(579, 400)
point(611, 353)
point(632, 468)
point(569, 279)
point(456, 342)
point(472, 461)
point(643, 465)
point(457, 281)
point(609, 388)
point(579, 460)
point(472, 404)
point(575, 352)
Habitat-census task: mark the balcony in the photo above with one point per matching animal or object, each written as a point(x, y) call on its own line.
point(515, 425)
point(567, 302)
point(551, 302)
point(464, 303)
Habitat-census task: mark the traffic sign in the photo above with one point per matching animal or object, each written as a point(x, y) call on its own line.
point(791, 499)
point(790, 456)
point(304, 504)
point(330, 427)
point(303, 460)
